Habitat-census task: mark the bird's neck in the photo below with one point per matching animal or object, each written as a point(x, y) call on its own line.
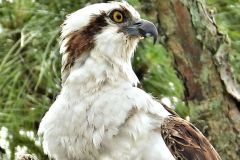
point(97, 72)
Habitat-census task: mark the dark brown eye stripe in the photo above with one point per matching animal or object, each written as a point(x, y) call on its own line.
point(126, 12)
point(82, 41)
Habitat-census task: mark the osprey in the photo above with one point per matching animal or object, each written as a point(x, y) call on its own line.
point(100, 114)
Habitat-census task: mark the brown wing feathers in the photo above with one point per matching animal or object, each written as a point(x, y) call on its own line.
point(185, 141)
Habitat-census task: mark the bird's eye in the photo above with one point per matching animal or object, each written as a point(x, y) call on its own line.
point(117, 16)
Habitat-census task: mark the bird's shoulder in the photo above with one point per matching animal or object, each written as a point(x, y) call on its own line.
point(185, 141)
point(181, 137)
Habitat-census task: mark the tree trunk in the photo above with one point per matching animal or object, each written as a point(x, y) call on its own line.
point(200, 51)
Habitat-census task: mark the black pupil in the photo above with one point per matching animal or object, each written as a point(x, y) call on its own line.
point(119, 16)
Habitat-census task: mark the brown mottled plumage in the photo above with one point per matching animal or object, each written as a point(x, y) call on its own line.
point(185, 141)
point(82, 41)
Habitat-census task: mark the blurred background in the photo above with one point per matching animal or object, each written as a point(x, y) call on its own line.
point(30, 65)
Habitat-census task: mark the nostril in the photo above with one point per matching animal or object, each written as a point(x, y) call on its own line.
point(138, 23)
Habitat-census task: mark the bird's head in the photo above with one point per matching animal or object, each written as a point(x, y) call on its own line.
point(107, 30)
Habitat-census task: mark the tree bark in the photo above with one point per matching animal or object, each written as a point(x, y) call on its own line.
point(200, 51)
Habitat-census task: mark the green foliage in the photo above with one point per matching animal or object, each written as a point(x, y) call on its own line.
point(227, 15)
point(154, 67)
point(28, 68)
point(30, 65)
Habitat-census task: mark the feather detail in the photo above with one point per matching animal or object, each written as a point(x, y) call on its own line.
point(185, 141)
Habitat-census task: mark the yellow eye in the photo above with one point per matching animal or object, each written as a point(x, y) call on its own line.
point(117, 17)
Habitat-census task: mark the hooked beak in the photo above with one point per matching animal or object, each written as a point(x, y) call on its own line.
point(142, 28)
